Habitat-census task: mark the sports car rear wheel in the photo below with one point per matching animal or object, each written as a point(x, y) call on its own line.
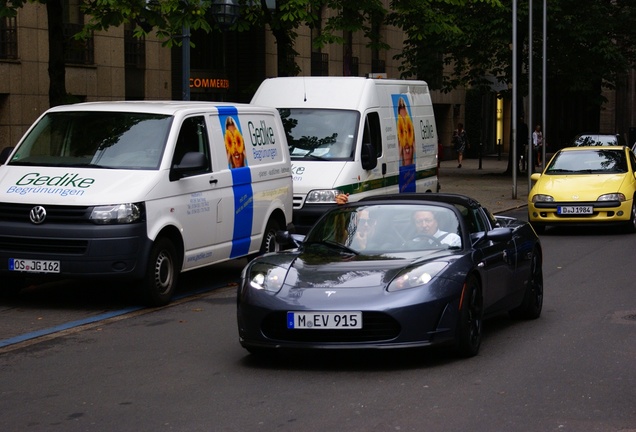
point(471, 310)
point(532, 303)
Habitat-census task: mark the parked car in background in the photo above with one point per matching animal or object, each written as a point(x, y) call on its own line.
point(585, 185)
point(366, 276)
point(598, 140)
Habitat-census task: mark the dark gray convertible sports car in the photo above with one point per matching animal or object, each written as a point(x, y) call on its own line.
point(396, 271)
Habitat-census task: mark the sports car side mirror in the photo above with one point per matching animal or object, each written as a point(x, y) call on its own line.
point(288, 240)
point(499, 235)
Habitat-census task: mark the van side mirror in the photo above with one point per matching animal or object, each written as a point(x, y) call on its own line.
point(368, 157)
point(4, 155)
point(191, 162)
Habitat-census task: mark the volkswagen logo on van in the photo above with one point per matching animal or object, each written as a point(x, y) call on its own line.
point(37, 214)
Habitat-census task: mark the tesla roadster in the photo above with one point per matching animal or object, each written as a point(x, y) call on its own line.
point(392, 271)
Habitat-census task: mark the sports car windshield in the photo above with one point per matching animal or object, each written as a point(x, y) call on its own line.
point(95, 139)
point(387, 228)
point(320, 134)
point(593, 161)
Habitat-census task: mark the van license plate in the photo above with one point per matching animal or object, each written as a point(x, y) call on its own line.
point(34, 266)
point(575, 210)
point(324, 320)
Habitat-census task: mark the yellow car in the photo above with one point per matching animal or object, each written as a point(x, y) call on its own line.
point(585, 185)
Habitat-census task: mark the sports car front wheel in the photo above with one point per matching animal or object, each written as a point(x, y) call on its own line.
point(471, 311)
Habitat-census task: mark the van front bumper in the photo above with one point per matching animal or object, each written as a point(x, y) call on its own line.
point(81, 250)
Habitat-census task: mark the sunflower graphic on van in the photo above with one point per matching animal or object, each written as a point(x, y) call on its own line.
point(406, 134)
point(234, 145)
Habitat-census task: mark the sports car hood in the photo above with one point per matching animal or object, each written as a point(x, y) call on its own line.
point(579, 187)
point(308, 270)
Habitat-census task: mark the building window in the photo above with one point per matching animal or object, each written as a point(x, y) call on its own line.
point(134, 50)
point(8, 38)
point(76, 51)
point(354, 66)
point(319, 64)
point(378, 66)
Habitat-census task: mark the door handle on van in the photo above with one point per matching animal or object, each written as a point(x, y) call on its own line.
point(383, 168)
point(213, 181)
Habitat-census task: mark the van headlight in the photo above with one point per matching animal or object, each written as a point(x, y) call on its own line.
point(322, 196)
point(116, 214)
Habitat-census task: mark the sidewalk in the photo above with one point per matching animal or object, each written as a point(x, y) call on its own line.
point(488, 185)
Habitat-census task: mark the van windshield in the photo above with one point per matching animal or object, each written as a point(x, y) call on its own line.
point(116, 140)
point(320, 134)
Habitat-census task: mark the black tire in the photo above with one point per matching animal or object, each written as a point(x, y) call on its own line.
point(269, 238)
point(162, 274)
point(469, 327)
point(532, 303)
point(631, 225)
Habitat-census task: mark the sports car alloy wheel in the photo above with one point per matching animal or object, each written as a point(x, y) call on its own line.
point(532, 303)
point(470, 319)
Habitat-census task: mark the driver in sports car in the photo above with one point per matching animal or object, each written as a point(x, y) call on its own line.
point(427, 228)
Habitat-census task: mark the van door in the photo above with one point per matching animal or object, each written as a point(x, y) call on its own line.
point(191, 196)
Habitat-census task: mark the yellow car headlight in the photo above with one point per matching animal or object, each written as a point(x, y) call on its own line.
point(612, 197)
point(542, 198)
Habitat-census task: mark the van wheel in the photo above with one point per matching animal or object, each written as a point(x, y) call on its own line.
point(162, 274)
point(269, 238)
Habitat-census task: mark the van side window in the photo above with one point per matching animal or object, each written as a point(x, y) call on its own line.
point(193, 137)
point(372, 132)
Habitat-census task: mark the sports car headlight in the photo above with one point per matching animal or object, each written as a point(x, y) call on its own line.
point(416, 277)
point(612, 197)
point(322, 196)
point(116, 214)
point(542, 198)
point(266, 277)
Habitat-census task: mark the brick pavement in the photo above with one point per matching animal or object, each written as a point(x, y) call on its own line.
point(488, 184)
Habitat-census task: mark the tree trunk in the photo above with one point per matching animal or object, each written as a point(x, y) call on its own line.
point(57, 66)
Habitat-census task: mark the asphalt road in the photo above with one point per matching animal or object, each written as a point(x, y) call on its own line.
point(181, 367)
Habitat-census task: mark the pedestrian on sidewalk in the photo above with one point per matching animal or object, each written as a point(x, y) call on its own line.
point(522, 145)
point(537, 143)
point(460, 141)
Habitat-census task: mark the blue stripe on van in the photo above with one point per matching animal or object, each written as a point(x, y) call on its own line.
point(243, 195)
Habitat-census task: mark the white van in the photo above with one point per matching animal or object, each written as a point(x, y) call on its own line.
point(142, 191)
point(353, 135)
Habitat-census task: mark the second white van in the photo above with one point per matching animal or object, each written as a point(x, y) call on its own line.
point(353, 135)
